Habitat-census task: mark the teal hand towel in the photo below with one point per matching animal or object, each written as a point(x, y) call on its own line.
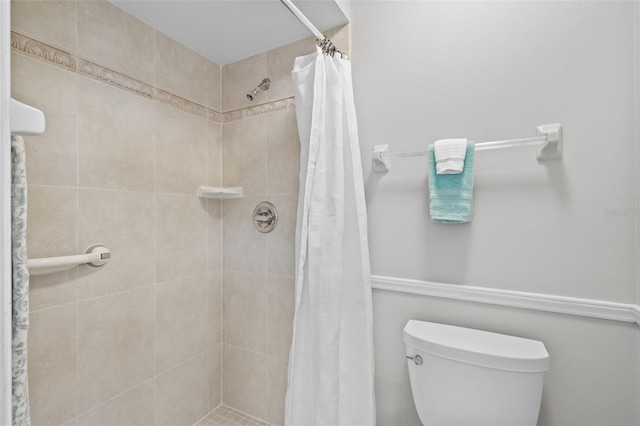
point(451, 196)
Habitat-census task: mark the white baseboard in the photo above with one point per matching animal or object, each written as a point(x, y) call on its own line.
point(519, 299)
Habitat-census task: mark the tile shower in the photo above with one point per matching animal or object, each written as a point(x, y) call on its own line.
point(195, 308)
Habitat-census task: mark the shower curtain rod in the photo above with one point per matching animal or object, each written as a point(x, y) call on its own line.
point(327, 46)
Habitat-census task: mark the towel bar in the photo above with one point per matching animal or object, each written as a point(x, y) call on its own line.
point(549, 140)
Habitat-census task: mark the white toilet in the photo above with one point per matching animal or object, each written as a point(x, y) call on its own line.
point(464, 377)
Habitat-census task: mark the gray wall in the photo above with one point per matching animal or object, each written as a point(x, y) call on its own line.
point(492, 71)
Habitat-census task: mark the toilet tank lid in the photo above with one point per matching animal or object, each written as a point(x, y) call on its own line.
point(477, 347)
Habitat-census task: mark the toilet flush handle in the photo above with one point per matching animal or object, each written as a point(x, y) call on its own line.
point(416, 359)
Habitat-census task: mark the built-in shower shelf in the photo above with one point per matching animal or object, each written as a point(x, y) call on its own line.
point(220, 193)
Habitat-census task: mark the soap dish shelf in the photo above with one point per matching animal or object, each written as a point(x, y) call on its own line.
point(220, 193)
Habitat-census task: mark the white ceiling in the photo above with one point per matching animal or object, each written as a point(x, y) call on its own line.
point(227, 30)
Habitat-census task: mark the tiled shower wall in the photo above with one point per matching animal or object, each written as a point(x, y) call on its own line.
point(133, 126)
point(261, 153)
point(135, 121)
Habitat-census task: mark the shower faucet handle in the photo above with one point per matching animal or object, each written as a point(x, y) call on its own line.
point(264, 217)
point(417, 359)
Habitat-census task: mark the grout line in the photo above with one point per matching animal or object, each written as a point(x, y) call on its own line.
point(77, 411)
point(637, 201)
point(184, 361)
point(223, 339)
point(116, 293)
point(223, 203)
point(186, 277)
point(48, 308)
point(219, 86)
point(235, 411)
point(220, 345)
point(208, 412)
point(116, 396)
point(265, 274)
point(209, 208)
point(268, 260)
point(76, 82)
point(155, 241)
point(256, 352)
point(268, 241)
point(221, 301)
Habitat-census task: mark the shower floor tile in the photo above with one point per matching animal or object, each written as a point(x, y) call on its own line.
point(226, 416)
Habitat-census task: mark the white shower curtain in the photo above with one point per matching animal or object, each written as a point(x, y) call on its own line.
point(331, 376)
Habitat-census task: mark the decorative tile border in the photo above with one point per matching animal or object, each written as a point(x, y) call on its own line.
point(114, 78)
point(71, 62)
point(181, 103)
point(247, 112)
point(43, 51)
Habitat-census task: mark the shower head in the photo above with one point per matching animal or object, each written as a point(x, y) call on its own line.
point(264, 85)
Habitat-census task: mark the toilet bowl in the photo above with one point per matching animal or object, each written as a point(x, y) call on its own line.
point(465, 377)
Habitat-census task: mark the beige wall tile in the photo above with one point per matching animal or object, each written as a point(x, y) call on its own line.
point(53, 22)
point(213, 86)
point(181, 393)
point(123, 221)
point(214, 308)
point(52, 365)
point(52, 218)
point(281, 241)
point(52, 156)
point(280, 64)
point(181, 236)
point(245, 380)
point(214, 369)
point(52, 289)
point(277, 386)
point(280, 310)
point(244, 154)
point(181, 320)
point(245, 310)
point(239, 78)
point(214, 235)
point(115, 345)
point(214, 158)
point(72, 422)
point(245, 248)
point(283, 153)
point(113, 38)
point(132, 408)
point(52, 231)
point(181, 150)
point(116, 138)
point(182, 71)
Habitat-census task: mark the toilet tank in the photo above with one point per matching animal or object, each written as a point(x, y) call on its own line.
point(472, 377)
